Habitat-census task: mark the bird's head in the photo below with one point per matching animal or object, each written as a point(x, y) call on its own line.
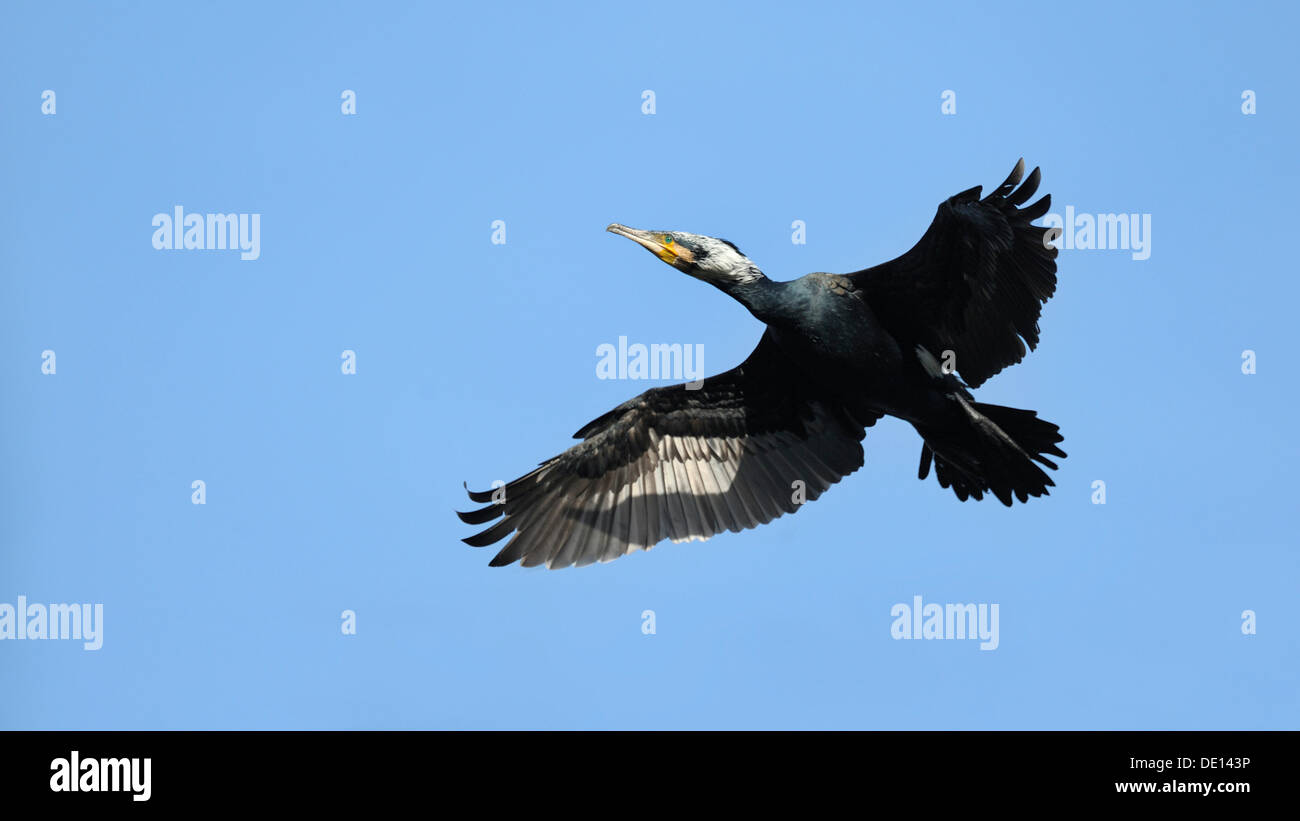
point(712, 260)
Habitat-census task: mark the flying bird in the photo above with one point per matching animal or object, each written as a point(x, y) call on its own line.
point(907, 338)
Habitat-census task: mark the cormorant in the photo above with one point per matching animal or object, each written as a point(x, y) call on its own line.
point(839, 351)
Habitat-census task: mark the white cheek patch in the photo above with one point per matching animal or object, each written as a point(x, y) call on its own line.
point(720, 262)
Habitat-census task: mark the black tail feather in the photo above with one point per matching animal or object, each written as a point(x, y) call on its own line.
point(994, 452)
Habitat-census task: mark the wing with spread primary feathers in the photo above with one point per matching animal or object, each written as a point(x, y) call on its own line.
point(975, 283)
point(677, 464)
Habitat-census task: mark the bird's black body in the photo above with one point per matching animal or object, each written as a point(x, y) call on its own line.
point(824, 323)
point(839, 352)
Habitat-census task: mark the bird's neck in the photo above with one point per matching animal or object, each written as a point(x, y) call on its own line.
point(759, 294)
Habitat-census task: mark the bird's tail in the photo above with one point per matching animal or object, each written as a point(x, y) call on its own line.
point(993, 450)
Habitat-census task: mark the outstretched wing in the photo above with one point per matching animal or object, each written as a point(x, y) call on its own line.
point(976, 282)
point(677, 464)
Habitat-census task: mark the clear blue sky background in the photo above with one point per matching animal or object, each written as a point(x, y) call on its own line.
point(328, 492)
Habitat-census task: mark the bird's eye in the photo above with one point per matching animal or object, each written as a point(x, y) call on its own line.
point(668, 240)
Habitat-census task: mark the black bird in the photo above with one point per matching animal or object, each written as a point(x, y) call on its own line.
point(839, 351)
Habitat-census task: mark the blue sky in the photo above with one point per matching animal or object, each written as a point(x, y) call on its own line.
point(328, 492)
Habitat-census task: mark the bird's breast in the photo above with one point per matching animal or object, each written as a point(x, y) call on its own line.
point(837, 340)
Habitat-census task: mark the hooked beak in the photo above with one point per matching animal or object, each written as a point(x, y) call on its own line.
point(659, 244)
